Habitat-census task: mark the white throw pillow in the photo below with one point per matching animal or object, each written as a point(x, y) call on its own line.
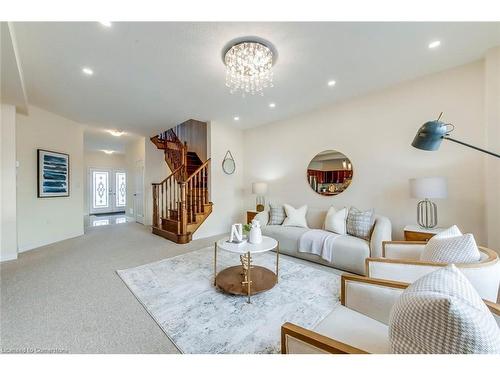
point(336, 221)
point(451, 246)
point(452, 231)
point(442, 313)
point(295, 217)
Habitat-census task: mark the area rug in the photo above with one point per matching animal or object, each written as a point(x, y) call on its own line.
point(179, 294)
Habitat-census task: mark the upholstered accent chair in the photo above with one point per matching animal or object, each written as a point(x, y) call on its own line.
point(358, 326)
point(400, 261)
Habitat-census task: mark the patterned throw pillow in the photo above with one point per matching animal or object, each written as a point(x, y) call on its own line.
point(442, 313)
point(276, 214)
point(359, 223)
point(451, 246)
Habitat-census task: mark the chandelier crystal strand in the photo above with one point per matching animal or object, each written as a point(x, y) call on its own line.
point(248, 68)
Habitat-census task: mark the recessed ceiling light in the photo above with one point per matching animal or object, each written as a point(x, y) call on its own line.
point(331, 83)
point(236, 118)
point(109, 152)
point(116, 133)
point(434, 44)
point(87, 71)
point(272, 105)
point(105, 23)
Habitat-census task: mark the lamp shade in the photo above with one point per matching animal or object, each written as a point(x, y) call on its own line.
point(430, 135)
point(428, 187)
point(259, 188)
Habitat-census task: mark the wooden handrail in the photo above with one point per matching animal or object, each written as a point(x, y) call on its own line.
point(198, 169)
point(169, 176)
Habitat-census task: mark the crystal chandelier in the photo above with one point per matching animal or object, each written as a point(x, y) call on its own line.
point(248, 68)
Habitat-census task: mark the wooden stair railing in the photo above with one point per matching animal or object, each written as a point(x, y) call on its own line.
point(180, 205)
point(197, 191)
point(166, 194)
point(175, 150)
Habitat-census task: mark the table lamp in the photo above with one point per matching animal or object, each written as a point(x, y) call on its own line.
point(428, 188)
point(260, 189)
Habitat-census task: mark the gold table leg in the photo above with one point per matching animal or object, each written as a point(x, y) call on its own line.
point(215, 264)
point(249, 278)
point(277, 261)
point(246, 264)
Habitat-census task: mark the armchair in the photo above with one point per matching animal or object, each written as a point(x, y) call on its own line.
point(358, 326)
point(401, 262)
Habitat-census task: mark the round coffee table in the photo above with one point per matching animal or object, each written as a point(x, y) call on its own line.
point(246, 279)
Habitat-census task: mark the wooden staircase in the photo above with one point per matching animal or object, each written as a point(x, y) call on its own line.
point(181, 201)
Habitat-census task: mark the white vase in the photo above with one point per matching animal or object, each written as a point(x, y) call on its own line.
point(255, 235)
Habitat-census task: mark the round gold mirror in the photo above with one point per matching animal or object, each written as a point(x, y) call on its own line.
point(329, 173)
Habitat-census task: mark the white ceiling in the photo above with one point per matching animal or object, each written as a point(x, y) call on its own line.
point(97, 139)
point(151, 76)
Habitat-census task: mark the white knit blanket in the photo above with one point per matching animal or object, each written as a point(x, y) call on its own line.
point(318, 242)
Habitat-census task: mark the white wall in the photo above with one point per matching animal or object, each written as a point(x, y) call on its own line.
point(226, 190)
point(134, 157)
point(98, 159)
point(42, 221)
point(375, 133)
point(8, 227)
point(492, 122)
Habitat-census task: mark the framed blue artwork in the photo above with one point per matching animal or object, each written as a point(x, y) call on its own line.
point(53, 174)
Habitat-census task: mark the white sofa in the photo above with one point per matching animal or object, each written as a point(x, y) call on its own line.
point(358, 326)
point(349, 253)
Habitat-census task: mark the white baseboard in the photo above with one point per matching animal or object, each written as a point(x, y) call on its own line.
point(7, 258)
point(34, 246)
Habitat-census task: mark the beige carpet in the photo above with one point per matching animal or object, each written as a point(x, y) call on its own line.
point(68, 297)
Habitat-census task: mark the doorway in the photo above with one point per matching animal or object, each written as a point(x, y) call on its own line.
point(108, 190)
point(139, 192)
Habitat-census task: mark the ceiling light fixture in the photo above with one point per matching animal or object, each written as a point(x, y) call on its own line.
point(116, 133)
point(249, 68)
point(332, 83)
point(87, 71)
point(434, 44)
point(105, 23)
point(236, 118)
point(272, 105)
point(109, 152)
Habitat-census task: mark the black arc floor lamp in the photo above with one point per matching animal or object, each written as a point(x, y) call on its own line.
point(431, 134)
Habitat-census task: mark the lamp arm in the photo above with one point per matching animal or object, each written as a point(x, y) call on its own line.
point(471, 146)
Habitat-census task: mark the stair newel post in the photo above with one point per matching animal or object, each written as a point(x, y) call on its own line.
point(172, 192)
point(183, 209)
point(155, 205)
point(184, 154)
point(162, 197)
point(203, 183)
point(190, 198)
point(195, 178)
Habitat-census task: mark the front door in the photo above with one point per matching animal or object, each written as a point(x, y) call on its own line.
point(108, 190)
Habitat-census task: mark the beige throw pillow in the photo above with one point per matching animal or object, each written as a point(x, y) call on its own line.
point(336, 221)
point(451, 246)
point(295, 217)
point(441, 313)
